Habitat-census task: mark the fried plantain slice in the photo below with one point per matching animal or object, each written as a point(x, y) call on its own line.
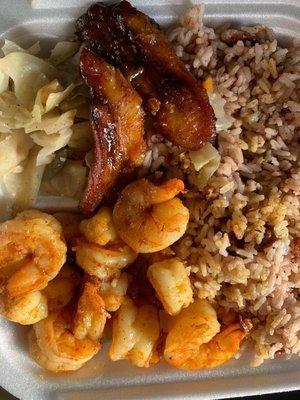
point(117, 124)
point(132, 41)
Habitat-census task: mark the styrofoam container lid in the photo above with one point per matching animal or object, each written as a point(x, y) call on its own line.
point(23, 20)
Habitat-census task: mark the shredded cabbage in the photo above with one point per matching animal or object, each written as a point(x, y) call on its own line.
point(4, 80)
point(62, 51)
point(12, 115)
point(28, 74)
point(206, 161)
point(13, 150)
point(23, 187)
point(50, 144)
point(69, 182)
point(11, 47)
point(52, 122)
point(49, 97)
point(6, 202)
point(35, 125)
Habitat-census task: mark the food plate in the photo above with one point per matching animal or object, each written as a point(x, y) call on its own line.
point(22, 21)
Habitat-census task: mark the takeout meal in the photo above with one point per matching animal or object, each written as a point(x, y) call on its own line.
point(182, 150)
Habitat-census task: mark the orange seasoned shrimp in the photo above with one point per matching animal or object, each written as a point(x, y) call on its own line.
point(34, 306)
point(149, 217)
point(99, 229)
point(113, 292)
point(36, 214)
point(218, 350)
point(60, 291)
point(104, 262)
point(91, 316)
point(101, 252)
point(27, 309)
point(172, 284)
point(194, 341)
point(135, 333)
point(193, 326)
point(32, 251)
point(55, 348)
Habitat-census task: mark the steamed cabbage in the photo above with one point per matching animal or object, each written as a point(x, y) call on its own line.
point(34, 127)
point(4, 80)
point(12, 114)
point(13, 150)
point(28, 74)
point(50, 144)
point(49, 97)
point(68, 182)
point(23, 187)
point(6, 202)
point(11, 47)
point(52, 122)
point(62, 51)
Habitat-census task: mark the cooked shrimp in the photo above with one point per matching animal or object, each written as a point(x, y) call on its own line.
point(36, 214)
point(99, 229)
point(32, 251)
point(90, 317)
point(34, 306)
point(172, 284)
point(55, 348)
point(135, 333)
point(26, 310)
point(193, 326)
point(113, 295)
point(218, 350)
point(103, 262)
point(70, 224)
point(62, 288)
point(101, 252)
point(149, 217)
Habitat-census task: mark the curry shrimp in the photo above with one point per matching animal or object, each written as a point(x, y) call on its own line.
point(135, 333)
point(187, 331)
point(148, 217)
point(34, 306)
point(172, 284)
point(60, 291)
point(90, 316)
point(55, 348)
point(218, 350)
point(100, 228)
point(27, 309)
point(113, 292)
point(100, 252)
point(36, 214)
point(194, 339)
point(32, 252)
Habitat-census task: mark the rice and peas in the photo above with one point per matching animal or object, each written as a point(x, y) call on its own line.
point(242, 243)
point(241, 247)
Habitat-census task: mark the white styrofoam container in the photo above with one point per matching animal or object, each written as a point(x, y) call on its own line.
point(22, 20)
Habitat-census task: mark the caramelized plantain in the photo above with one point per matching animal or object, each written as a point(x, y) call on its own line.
point(117, 123)
point(130, 40)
